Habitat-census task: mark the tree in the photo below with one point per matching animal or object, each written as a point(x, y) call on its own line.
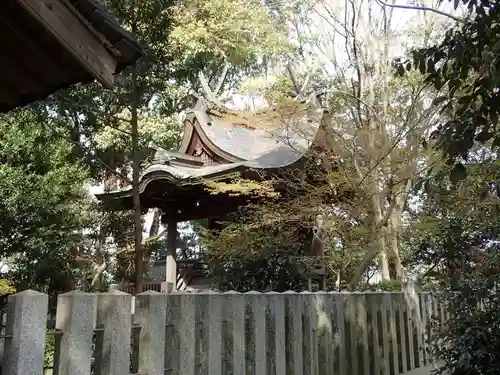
point(452, 241)
point(112, 129)
point(463, 65)
point(456, 237)
point(42, 191)
point(454, 222)
point(375, 133)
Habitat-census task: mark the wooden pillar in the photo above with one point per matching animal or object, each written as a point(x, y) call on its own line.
point(170, 283)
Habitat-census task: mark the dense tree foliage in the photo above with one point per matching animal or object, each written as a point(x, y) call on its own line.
point(464, 66)
point(42, 190)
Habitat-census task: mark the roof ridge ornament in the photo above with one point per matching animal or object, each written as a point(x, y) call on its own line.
point(214, 95)
point(299, 91)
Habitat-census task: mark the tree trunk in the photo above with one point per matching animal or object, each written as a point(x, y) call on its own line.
point(136, 166)
point(379, 237)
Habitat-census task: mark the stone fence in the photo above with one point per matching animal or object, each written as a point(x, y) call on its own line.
point(221, 333)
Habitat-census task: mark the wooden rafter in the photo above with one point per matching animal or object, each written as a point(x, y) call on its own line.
point(63, 22)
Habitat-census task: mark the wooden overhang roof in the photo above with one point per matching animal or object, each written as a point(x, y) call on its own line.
point(176, 181)
point(48, 45)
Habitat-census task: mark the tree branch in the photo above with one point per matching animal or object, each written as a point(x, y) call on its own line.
point(306, 83)
point(98, 159)
point(119, 130)
point(423, 8)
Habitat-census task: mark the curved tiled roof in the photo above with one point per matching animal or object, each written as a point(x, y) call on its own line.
point(265, 146)
point(251, 148)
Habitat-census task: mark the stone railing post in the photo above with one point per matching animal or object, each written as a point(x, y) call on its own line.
point(151, 315)
point(114, 316)
point(27, 323)
point(295, 344)
point(76, 318)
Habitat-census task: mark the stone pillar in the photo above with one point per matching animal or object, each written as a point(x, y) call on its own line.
point(151, 315)
point(170, 283)
point(114, 316)
point(76, 318)
point(27, 323)
point(114, 287)
point(295, 344)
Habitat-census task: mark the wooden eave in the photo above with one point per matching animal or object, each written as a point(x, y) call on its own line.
point(78, 37)
point(48, 45)
point(188, 202)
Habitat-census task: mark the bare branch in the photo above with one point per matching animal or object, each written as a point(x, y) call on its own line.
point(118, 129)
point(306, 83)
point(98, 271)
point(423, 8)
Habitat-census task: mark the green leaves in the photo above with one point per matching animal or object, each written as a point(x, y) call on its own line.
point(439, 100)
point(458, 173)
point(467, 60)
point(42, 197)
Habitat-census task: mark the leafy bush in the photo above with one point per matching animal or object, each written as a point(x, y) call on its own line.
point(382, 286)
point(6, 287)
point(469, 344)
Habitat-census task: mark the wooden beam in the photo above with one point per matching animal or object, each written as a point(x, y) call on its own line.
point(62, 20)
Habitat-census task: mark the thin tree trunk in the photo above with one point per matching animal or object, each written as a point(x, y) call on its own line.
point(136, 165)
point(380, 241)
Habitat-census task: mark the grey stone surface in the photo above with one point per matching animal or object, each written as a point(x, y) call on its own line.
point(187, 327)
point(398, 302)
point(424, 370)
point(386, 334)
point(75, 317)
point(327, 348)
point(114, 316)
point(338, 303)
point(151, 315)
point(362, 338)
point(256, 304)
point(309, 325)
point(236, 320)
point(352, 332)
point(276, 319)
point(294, 344)
point(394, 348)
point(172, 334)
point(27, 323)
point(215, 309)
point(230, 333)
point(373, 303)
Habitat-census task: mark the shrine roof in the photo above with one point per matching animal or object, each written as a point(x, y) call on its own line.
point(268, 145)
point(242, 149)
